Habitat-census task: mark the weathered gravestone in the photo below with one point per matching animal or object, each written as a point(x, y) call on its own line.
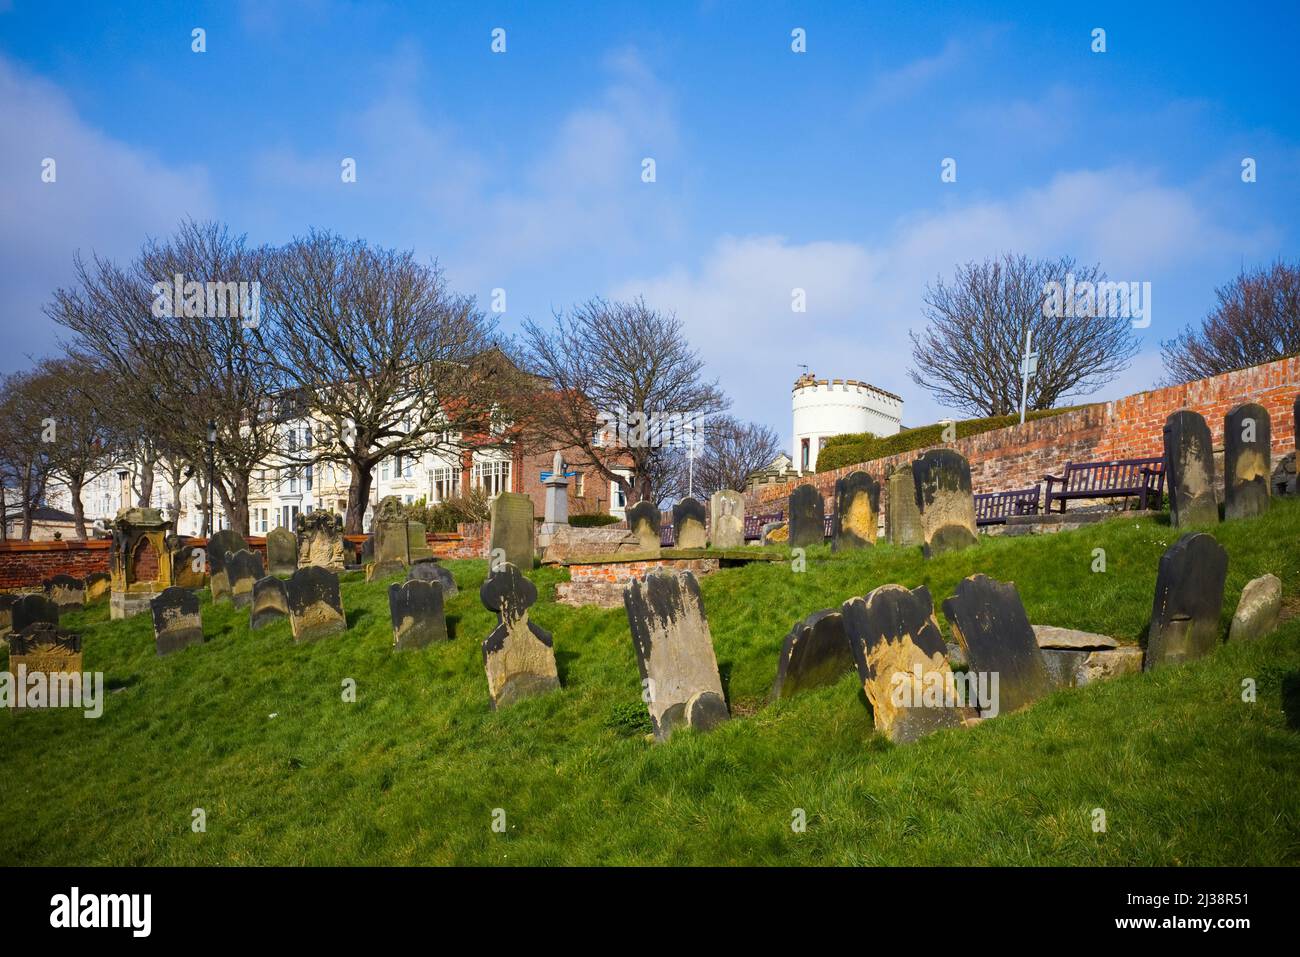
point(97, 586)
point(518, 656)
point(643, 520)
point(433, 572)
point(1189, 599)
point(674, 652)
point(7, 603)
point(281, 552)
point(177, 621)
point(512, 529)
point(1247, 460)
point(857, 505)
point(902, 517)
point(1259, 609)
point(270, 602)
point(942, 488)
point(416, 610)
point(368, 550)
point(1189, 468)
point(220, 545)
point(315, 608)
point(807, 517)
point(815, 653)
point(727, 519)
point(417, 543)
point(33, 608)
point(989, 622)
point(392, 542)
point(901, 661)
point(37, 655)
point(688, 523)
point(243, 569)
point(320, 541)
point(66, 591)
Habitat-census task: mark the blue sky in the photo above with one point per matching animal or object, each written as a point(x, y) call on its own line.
point(774, 170)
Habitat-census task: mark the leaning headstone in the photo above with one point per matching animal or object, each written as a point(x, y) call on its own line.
point(433, 572)
point(221, 544)
point(41, 649)
point(1247, 460)
point(33, 608)
point(97, 586)
point(942, 488)
point(806, 517)
point(320, 541)
point(281, 552)
point(315, 608)
point(674, 652)
point(688, 523)
point(270, 602)
point(518, 656)
point(1188, 602)
point(727, 519)
point(815, 653)
point(643, 519)
point(177, 622)
point(512, 529)
point(902, 662)
point(243, 569)
point(1189, 467)
point(857, 507)
point(902, 517)
point(416, 610)
point(1258, 611)
point(989, 622)
point(66, 591)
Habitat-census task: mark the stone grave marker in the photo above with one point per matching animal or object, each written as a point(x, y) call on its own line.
point(220, 544)
point(643, 520)
point(416, 610)
point(815, 653)
point(392, 543)
point(518, 656)
point(902, 517)
point(66, 591)
point(674, 652)
point(1247, 460)
point(417, 543)
point(1188, 601)
point(41, 649)
point(556, 511)
point(1189, 470)
point(315, 607)
point(989, 622)
point(1259, 609)
point(512, 528)
point(98, 585)
point(857, 510)
point(901, 660)
point(727, 519)
point(32, 608)
point(281, 552)
point(270, 602)
point(433, 572)
point(243, 569)
point(177, 621)
point(942, 487)
point(688, 523)
point(7, 603)
point(320, 541)
point(806, 517)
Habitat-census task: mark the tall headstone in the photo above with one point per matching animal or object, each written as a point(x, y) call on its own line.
point(41, 649)
point(66, 591)
point(417, 543)
point(315, 607)
point(1188, 602)
point(1247, 460)
point(518, 656)
point(512, 528)
point(902, 517)
point(688, 523)
point(29, 609)
point(415, 607)
point(220, 545)
point(857, 510)
point(281, 552)
point(807, 517)
point(556, 511)
point(433, 572)
point(901, 660)
point(243, 569)
point(815, 653)
point(643, 519)
point(674, 652)
point(942, 487)
point(1189, 470)
point(177, 621)
point(392, 545)
point(320, 541)
point(270, 602)
point(727, 519)
point(989, 622)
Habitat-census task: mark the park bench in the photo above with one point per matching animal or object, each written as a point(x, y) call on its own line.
point(994, 508)
point(1121, 478)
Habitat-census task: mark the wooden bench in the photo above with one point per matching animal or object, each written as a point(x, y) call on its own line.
point(1121, 478)
point(994, 508)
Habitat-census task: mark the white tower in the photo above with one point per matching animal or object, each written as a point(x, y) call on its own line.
point(826, 407)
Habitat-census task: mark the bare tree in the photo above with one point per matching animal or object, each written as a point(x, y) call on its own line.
point(969, 356)
point(1257, 320)
point(619, 383)
point(732, 452)
point(381, 355)
point(24, 449)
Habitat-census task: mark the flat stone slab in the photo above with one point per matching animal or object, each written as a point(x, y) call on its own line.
point(1050, 636)
point(1074, 668)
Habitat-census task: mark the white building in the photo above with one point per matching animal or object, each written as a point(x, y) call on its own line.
point(826, 407)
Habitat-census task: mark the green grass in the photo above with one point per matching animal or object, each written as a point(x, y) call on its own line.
point(411, 773)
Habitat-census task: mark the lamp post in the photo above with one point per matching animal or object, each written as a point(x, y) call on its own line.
point(690, 459)
point(212, 443)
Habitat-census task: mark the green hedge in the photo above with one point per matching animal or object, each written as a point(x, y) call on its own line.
point(593, 521)
point(850, 449)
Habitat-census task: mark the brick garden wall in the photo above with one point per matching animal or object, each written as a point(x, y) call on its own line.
point(25, 565)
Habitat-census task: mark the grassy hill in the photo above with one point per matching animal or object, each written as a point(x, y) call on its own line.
point(253, 729)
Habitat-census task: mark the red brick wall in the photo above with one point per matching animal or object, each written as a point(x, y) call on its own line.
point(24, 565)
point(527, 479)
